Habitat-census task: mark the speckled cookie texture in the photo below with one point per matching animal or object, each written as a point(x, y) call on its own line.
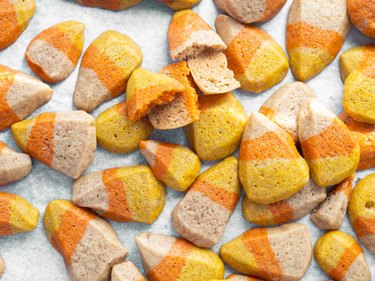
point(257, 61)
point(124, 194)
point(202, 215)
point(64, 141)
point(327, 144)
point(362, 15)
point(14, 19)
point(2, 266)
point(105, 69)
point(16, 214)
point(20, 95)
point(54, 53)
point(271, 253)
point(115, 5)
point(361, 211)
point(270, 166)
point(295, 207)
point(88, 244)
point(180, 4)
point(126, 271)
point(175, 165)
point(341, 257)
point(330, 214)
point(166, 258)
point(117, 134)
point(315, 33)
point(237, 277)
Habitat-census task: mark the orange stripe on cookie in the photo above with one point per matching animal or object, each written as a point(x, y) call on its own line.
point(272, 7)
point(5, 212)
point(345, 186)
point(281, 212)
point(2, 146)
point(163, 158)
point(112, 5)
point(118, 207)
point(346, 260)
point(40, 140)
point(10, 29)
point(364, 226)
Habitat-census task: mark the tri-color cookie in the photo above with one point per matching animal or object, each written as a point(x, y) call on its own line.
point(125, 194)
point(203, 213)
point(175, 165)
point(105, 69)
point(88, 244)
point(271, 168)
point(166, 258)
point(315, 33)
point(362, 15)
point(20, 95)
point(327, 144)
point(115, 5)
point(180, 4)
point(258, 62)
point(341, 257)
point(14, 19)
point(64, 141)
point(217, 133)
point(126, 271)
point(117, 134)
point(16, 214)
point(279, 253)
point(237, 277)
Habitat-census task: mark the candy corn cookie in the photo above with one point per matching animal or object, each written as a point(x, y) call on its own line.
point(271, 168)
point(175, 165)
point(105, 69)
point(251, 11)
point(327, 144)
point(237, 277)
point(284, 105)
point(202, 215)
point(125, 194)
point(279, 253)
point(20, 95)
point(362, 15)
point(330, 214)
point(88, 244)
point(146, 89)
point(166, 258)
point(361, 211)
point(117, 134)
point(63, 141)
point(257, 61)
point(54, 53)
point(180, 4)
point(115, 5)
point(315, 32)
point(353, 58)
point(13, 165)
point(341, 257)
point(189, 35)
point(184, 109)
point(2, 266)
point(16, 215)
point(217, 133)
point(359, 93)
point(14, 19)
point(126, 271)
point(295, 207)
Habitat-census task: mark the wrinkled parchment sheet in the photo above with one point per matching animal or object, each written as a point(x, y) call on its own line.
point(30, 256)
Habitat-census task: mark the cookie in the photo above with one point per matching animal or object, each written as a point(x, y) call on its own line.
point(117, 134)
point(125, 194)
point(2, 266)
point(180, 4)
point(217, 133)
point(20, 95)
point(166, 258)
point(341, 257)
point(14, 19)
point(330, 214)
point(270, 166)
point(284, 105)
point(146, 89)
point(126, 271)
point(189, 35)
point(258, 62)
point(88, 244)
point(184, 109)
point(16, 215)
point(315, 33)
point(64, 141)
point(115, 5)
point(175, 165)
point(329, 148)
point(237, 277)
point(202, 215)
point(362, 15)
point(279, 253)
point(105, 69)
point(292, 208)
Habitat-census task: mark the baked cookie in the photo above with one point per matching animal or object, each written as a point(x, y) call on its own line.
point(180, 4)
point(126, 271)
point(115, 5)
point(362, 15)
point(237, 277)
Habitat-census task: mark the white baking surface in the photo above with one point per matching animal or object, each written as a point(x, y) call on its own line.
point(30, 256)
